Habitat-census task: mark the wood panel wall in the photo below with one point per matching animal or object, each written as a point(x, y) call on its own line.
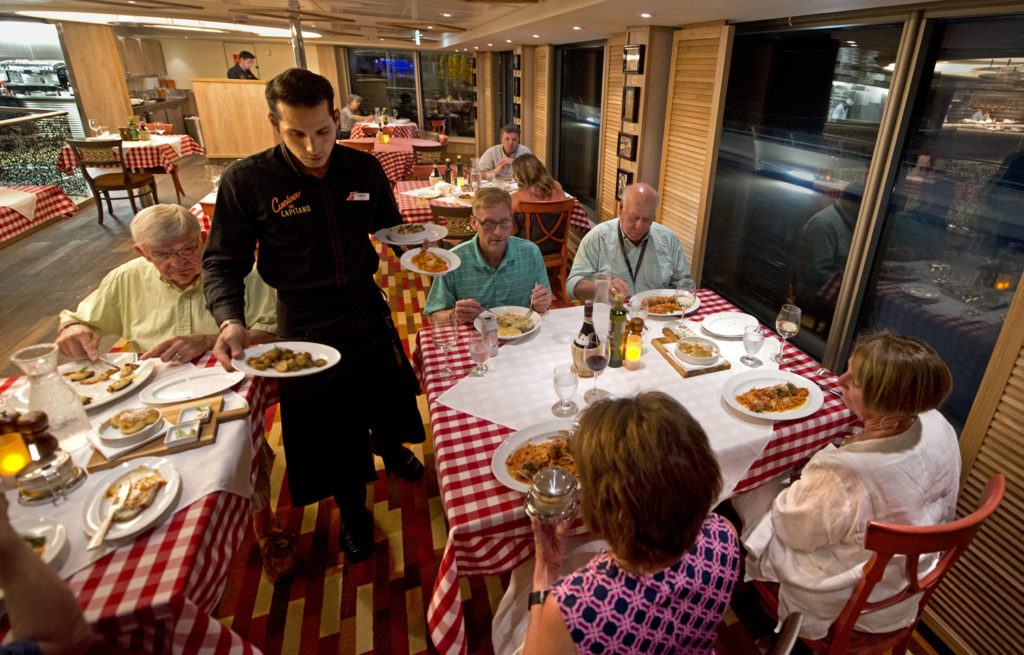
point(977, 609)
point(696, 99)
point(234, 117)
point(611, 112)
point(486, 109)
point(322, 61)
point(97, 73)
point(542, 65)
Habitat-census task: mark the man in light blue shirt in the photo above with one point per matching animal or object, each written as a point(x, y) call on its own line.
point(497, 268)
point(638, 253)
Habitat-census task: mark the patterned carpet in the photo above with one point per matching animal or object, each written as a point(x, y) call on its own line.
point(379, 606)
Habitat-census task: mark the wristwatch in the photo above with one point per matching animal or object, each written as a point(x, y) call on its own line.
point(538, 597)
point(230, 321)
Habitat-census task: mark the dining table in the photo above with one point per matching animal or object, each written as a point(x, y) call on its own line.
point(156, 592)
point(157, 155)
point(489, 532)
point(398, 130)
point(396, 156)
point(415, 208)
point(24, 207)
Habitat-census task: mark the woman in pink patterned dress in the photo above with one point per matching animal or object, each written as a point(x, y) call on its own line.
point(649, 480)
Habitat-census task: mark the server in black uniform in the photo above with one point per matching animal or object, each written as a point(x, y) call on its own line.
point(310, 204)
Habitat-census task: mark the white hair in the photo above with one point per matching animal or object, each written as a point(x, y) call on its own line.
point(162, 223)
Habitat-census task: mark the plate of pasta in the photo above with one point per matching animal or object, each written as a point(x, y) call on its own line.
point(774, 395)
point(663, 303)
point(531, 449)
point(513, 322)
point(432, 262)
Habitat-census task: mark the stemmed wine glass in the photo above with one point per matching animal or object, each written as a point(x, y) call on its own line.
point(565, 386)
point(685, 297)
point(753, 339)
point(394, 114)
point(595, 356)
point(444, 331)
point(94, 126)
point(213, 173)
point(787, 324)
point(480, 352)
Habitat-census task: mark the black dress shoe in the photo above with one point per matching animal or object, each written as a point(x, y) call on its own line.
point(356, 535)
point(404, 464)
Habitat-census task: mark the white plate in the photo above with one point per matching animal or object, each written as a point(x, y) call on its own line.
point(199, 383)
point(535, 433)
point(113, 437)
point(727, 325)
point(433, 231)
point(96, 504)
point(452, 259)
point(317, 350)
point(672, 294)
point(521, 311)
point(42, 526)
point(743, 382)
point(98, 392)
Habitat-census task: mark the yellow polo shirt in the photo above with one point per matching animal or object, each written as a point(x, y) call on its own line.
point(135, 302)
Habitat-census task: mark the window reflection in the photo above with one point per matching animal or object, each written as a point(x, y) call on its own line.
point(448, 92)
point(384, 78)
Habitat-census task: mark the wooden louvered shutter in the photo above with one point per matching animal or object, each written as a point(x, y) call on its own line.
point(696, 99)
point(978, 607)
point(541, 102)
point(611, 114)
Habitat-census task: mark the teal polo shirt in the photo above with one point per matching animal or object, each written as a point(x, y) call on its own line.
point(511, 283)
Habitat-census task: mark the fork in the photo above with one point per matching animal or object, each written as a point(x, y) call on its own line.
point(529, 308)
point(824, 372)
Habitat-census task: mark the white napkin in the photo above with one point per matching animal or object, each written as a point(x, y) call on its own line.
point(173, 141)
point(113, 452)
point(20, 201)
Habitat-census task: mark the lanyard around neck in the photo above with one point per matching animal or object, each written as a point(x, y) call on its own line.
point(639, 260)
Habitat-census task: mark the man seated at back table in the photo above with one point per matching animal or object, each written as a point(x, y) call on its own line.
point(497, 268)
point(498, 158)
point(639, 254)
point(156, 303)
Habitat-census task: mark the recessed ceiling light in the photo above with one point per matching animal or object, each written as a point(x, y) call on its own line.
point(577, 27)
point(536, 36)
point(430, 27)
point(476, 47)
point(645, 15)
point(490, 45)
point(446, 15)
point(508, 40)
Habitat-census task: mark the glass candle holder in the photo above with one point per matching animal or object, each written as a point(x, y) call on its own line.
point(634, 351)
point(14, 456)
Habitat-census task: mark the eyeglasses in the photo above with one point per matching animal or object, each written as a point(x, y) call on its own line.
point(490, 226)
point(181, 253)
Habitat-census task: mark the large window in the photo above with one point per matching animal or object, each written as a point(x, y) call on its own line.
point(448, 91)
point(384, 78)
point(578, 128)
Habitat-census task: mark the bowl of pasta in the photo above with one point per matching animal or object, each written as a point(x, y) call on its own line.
point(695, 350)
point(514, 322)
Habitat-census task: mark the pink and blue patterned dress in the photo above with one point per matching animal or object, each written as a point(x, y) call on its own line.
point(677, 610)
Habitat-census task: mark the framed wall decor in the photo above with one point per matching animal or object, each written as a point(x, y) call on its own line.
point(516, 111)
point(633, 59)
point(517, 86)
point(627, 146)
point(622, 180)
point(518, 63)
point(630, 104)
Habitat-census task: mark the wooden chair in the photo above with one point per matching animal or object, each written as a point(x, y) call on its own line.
point(420, 172)
point(102, 154)
point(428, 135)
point(166, 127)
point(456, 219)
point(887, 541)
point(357, 145)
point(429, 154)
point(439, 126)
point(370, 130)
point(789, 635)
point(389, 130)
point(547, 225)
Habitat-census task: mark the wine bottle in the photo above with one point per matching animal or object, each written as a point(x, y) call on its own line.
point(435, 176)
point(615, 333)
point(133, 132)
point(459, 168)
point(448, 171)
point(586, 338)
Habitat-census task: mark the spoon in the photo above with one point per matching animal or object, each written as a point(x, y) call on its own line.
point(122, 495)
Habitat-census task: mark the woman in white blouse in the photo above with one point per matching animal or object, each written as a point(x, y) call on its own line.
point(902, 468)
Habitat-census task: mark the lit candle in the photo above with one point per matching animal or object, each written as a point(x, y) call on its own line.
point(387, 139)
point(634, 349)
point(1002, 281)
point(13, 457)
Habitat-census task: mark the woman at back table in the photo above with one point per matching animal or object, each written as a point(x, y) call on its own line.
point(535, 184)
point(664, 575)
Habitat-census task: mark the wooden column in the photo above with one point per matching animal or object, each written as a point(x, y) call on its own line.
point(234, 117)
point(97, 73)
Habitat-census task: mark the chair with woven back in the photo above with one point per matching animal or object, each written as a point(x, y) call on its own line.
point(389, 130)
point(429, 154)
point(358, 145)
point(370, 130)
point(547, 225)
point(456, 219)
point(419, 172)
point(167, 128)
point(428, 135)
point(106, 154)
point(887, 541)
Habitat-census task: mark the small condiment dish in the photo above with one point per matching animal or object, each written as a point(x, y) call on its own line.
point(696, 350)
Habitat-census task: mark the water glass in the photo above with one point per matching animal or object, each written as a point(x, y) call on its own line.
point(444, 332)
point(480, 352)
point(753, 339)
point(566, 381)
point(639, 308)
point(213, 174)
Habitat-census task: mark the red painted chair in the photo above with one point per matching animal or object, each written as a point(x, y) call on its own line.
point(439, 126)
point(887, 541)
point(547, 225)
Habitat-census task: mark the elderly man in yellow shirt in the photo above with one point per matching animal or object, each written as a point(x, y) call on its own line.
point(156, 302)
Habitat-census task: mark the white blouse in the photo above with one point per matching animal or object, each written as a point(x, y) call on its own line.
point(812, 540)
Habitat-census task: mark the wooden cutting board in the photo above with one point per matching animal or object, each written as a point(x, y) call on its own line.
point(664, 346)
point(157, 448)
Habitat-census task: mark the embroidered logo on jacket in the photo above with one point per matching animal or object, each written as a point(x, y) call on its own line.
point(286, 207)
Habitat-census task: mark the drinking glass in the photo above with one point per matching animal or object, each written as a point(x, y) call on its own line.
point(565, 386)
point(753, 339)
point(480, 352)
point(787, 324)
point(159, 129)
point(213, 174)
point(596, 358)
point(94, 126)
point(685, 289)
point(394, 114)
point(639, 308)
point(444, 332)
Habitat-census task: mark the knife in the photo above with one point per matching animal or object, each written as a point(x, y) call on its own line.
point(823, 386)
point(122, 495)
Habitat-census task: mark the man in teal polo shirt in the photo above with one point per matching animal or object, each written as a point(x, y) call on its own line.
point(497, 268)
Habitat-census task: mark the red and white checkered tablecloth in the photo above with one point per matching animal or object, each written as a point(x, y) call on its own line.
point(156, 594)
point(204, 220)
point(51, 202)
point(417, 210)
point(403, 131)
point(489, 533)
point(151, 155)
point(396, 156)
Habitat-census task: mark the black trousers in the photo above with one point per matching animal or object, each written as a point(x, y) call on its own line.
point(327, 418)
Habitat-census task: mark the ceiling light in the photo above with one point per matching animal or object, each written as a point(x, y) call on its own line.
point(577, 27)
point(181, 23)
point(446, 15)
point(645, 15)
point(536, 36)
point(182, 27)
point(490, 45)
point(430, 27)
point(476, 47)
point(508, 40)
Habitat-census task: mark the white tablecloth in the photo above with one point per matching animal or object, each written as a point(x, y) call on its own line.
point(173, 141)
